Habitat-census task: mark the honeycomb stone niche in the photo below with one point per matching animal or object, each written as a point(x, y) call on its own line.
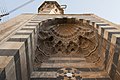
point(67, 37)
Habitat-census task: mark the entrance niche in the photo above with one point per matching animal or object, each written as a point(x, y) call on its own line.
point(67, 37)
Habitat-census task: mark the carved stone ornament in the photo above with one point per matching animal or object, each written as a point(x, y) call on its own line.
point(66, 37)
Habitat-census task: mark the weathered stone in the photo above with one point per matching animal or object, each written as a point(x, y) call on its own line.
point(82, 41)
point(32, 35)
point(28, 48)
point(18, 51)
point(7, 68)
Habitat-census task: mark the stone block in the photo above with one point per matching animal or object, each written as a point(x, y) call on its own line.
point(103, 51)
point(101, 28)
point(17, 50)
point(108, 64)
point(7, 68)
point(104, 28)
point(34, 21)
point(84, 69)
point(118, 66)
point(115, 40)
point(116, 55)
point(89, 79)
point(35, 29)
point(104, 43)
point(112, 72)
point(28, 48)
point(32, 24)
point(102, 24)
point(118, 41)
point(32, 35)
point(103, 78)
point(112, 49)
point(106, 57)
point(2, 73)
point(109, 33)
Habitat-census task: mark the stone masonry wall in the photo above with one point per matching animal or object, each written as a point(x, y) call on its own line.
point(17, 53)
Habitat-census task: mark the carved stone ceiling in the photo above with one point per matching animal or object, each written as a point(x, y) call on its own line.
point(67, 37)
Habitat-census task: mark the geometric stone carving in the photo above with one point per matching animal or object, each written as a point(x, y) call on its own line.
point(66, 37)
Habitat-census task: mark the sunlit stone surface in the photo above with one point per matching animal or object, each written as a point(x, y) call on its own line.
point(52, 45)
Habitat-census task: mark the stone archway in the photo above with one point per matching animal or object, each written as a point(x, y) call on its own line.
point(67, 37)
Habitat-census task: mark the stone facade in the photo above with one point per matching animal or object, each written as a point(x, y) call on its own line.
point(60, 47)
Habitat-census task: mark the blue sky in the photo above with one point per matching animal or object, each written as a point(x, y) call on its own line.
point(108, 9)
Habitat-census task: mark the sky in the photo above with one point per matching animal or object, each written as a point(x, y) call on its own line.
point(108, 9)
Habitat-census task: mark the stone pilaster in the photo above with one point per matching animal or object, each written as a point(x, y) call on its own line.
point(7, 68)
point(28, 49)
point(17, 50)
point(113, 67)
point(32, 40)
